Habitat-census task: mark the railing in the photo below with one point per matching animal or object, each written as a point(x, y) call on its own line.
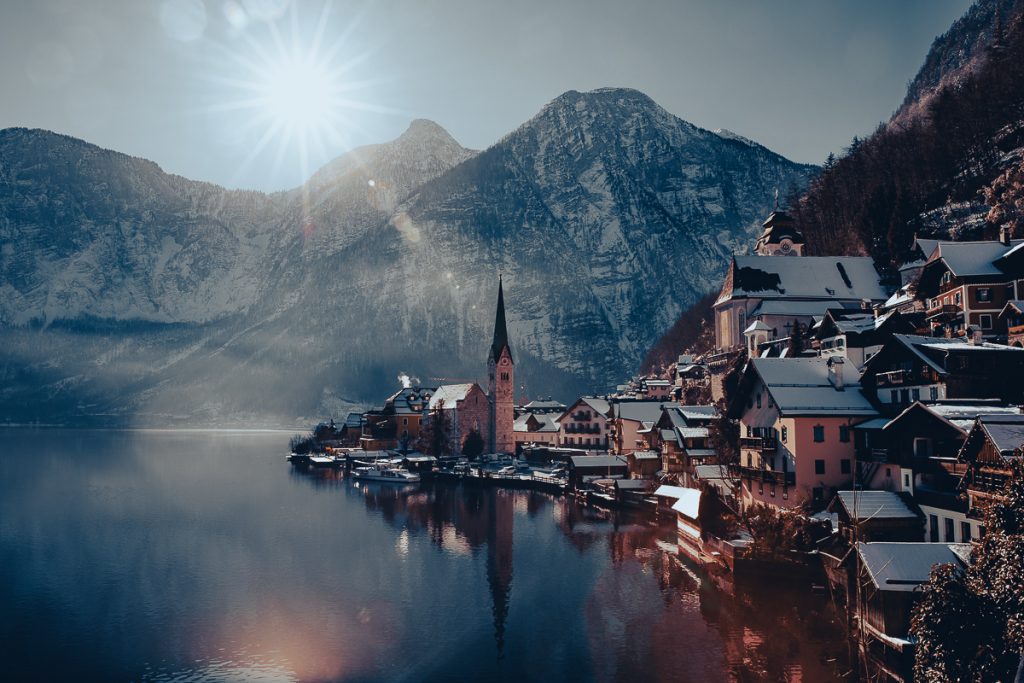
point(759, 444)
point(988, 481)
point(894, 378)
point(873, 454)
point(583, 429)
point(765, 475)
point(581, 417)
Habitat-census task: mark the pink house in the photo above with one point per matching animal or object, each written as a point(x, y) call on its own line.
point(796, 439)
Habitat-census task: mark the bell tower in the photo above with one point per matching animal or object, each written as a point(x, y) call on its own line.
point(501, 383)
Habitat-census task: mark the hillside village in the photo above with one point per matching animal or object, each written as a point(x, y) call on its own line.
point(873, 428)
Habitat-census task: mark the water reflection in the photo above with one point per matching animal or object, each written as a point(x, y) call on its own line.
point(199, 557)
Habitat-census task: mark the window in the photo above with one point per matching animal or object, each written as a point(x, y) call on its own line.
point(760, 488)
point(965, 532)
point(888, 472)
point(819, 467)
point(772, 491)
point(934, 393)
point(922, 447)
point(759, 400)
point(894, 396)
point(984, 294)
point(906, 481)
point(985, 320)
point(949, 530)
point(819, 433)
point(504, 377)
point(981, 531)
point(959, 298)
point(844, 466)
point(933, 528)
point(818, 493)
point(904, 395)
point(785, 434)
point(844, 433)
point(405, 421)
point(915, 394)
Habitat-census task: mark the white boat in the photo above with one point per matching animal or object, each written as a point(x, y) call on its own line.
point(397, 475)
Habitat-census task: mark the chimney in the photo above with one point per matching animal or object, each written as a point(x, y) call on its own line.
point(835, 372)
point(1004, 235)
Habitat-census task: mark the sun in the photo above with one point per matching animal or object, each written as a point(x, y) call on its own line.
point(300, 95)
point(296, 81)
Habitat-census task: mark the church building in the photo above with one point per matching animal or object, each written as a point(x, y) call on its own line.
point(501, 384)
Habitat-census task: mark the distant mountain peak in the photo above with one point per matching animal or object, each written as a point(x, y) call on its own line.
point(426, 129)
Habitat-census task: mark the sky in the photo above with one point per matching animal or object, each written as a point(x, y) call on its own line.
point(258, 94)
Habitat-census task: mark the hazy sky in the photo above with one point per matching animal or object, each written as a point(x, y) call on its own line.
point(203, 87)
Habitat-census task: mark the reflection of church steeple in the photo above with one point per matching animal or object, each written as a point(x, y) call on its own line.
point(499, 562)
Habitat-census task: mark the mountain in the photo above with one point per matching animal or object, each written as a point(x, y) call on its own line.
point(948, 164)
point(134, 296)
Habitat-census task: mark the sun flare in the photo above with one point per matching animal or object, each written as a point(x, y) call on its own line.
point(300, 94)
point(297, 83)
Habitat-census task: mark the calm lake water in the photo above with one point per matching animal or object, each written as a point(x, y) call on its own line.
point(203, 556)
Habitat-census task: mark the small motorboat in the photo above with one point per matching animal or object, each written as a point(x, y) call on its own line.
point(396, 475)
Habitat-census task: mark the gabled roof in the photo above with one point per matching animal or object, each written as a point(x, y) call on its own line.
point(697, 414)
point(801, 386)
point(536, 423)
point(867, 505)
point(598, 461)
point(971, 259)
point(933, 350)
point(450, 394)
point(1013, 305)
point(674, 492)
point(409, 400)
point(641, 411)
point(601, 406)
point(1004, 432)
point(708, 472)
point(958, 415)
point(789, 308)
point(688, 503)
point(905, 566)
point(805, 277)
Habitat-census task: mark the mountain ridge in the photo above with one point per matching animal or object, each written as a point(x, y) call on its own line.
point(607, 214)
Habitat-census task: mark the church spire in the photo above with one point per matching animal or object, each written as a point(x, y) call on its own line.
point(500, 329)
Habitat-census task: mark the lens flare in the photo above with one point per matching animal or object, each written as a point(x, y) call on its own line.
point(301, 84)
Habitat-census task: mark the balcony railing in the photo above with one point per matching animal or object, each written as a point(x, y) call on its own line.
point(765, 475)
point(759, 444)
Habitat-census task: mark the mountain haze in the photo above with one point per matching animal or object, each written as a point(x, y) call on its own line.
point(133, 296)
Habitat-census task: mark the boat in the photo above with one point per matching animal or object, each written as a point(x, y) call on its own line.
point(323, 461)
point(397, 475)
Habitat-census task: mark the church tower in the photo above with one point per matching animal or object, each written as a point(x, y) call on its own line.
point(501, 383)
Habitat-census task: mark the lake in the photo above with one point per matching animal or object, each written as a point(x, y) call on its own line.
point(204, 556)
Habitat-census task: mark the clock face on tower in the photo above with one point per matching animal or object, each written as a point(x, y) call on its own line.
point(504, 361)
point(785, 246)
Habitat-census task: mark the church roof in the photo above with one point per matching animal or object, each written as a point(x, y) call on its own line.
point(779, 226)
point(500, 342)
point(828, 278)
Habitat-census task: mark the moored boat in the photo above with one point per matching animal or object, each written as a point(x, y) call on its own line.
point(397, 475)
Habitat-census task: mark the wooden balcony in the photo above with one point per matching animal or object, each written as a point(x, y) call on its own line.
point(759, 444)
point(765, 475)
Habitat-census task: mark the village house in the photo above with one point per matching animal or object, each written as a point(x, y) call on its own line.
point(655, 389)
point(631, 424)
point(536, 428)
point(890, 577)
point(397, 425)
point(1012, 318)
point(796, 417)
point(993, 446)
point(585, 424)
point(584, 469)
point(965, 285)
point(776, 292)
point(917, 453)
point(857, 335)
point(682, 437)
point(877, 516)
point(466, 408)
point(910, 368)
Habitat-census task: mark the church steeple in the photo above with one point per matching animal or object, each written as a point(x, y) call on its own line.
point(500, 328)
point(501, 384)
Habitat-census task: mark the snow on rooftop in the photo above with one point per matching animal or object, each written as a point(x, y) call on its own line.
point(817, 277)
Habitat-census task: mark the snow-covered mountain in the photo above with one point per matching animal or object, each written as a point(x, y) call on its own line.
point(139, 296)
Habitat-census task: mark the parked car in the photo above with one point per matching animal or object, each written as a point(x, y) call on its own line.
point(508, 469)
